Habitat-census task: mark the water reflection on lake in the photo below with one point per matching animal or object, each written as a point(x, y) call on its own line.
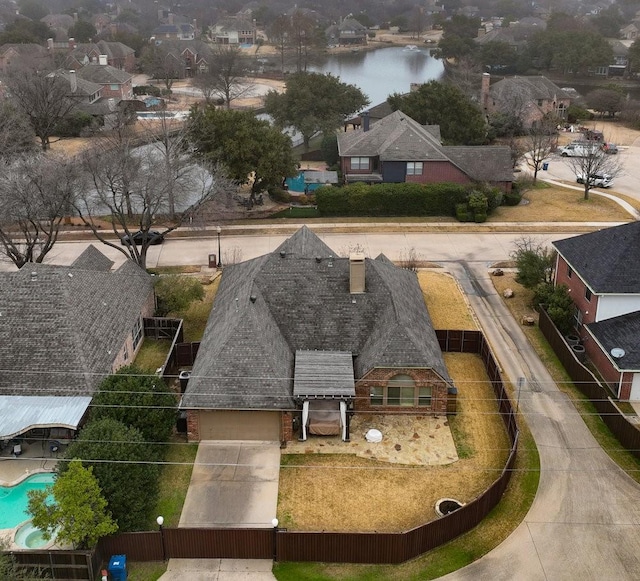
point(381, 72)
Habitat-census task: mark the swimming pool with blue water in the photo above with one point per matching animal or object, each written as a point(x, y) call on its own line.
point(14, 499)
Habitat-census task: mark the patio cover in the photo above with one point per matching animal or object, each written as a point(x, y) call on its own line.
point(19, 413)
point(323, 374)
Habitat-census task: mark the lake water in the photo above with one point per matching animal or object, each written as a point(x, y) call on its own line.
point(384, 71)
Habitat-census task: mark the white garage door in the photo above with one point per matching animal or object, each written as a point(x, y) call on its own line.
point(239, 425)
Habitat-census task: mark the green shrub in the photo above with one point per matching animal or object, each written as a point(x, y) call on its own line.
point(329, 149)
point(280, 195)
point(478, 204)
point(73, 125)
point(147, 90)
point(558, 304)
point(176, 293)
point(461, 213)
point(512, 198)
point(479, 217)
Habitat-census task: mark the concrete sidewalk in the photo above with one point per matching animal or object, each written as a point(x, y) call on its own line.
point(218, 570)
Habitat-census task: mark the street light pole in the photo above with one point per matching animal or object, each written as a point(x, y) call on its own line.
point(218, 230)
point(160, 521)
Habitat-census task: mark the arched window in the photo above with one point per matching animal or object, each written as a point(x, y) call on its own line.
point(400, 391)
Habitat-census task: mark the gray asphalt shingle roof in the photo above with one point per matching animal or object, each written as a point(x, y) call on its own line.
point(298, 298)
point(527, 87)
point(607, 260)
point(61, 327)
point(398, 137)
point(620, 332)
point(103, 74)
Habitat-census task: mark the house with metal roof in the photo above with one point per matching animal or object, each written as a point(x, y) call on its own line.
point(602, 272)
point(301, 339)
point(398, 149)
point(63, 329)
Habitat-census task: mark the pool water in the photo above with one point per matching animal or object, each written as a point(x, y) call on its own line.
point(14, 499)
point(29, 537)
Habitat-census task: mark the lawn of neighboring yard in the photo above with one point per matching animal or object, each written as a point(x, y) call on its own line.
point(554, 204)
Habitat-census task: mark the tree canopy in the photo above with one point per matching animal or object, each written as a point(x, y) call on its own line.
point(314, 103)
point(434, 103)
point(225, 78)
point(77, 514)
point(138, 400)
point(123, 464)
point(175, 293)
point(83, 31)
point(250, 149)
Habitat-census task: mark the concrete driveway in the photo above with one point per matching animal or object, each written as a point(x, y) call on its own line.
point(234, 484)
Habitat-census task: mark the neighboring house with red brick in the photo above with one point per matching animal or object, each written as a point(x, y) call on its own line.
point(300, 339)
point(174, 32)
point(116, 84)
point(119, 55)
point(399, 149)
point(64, 329)
point(602, 271)
point(530, 98)
point(23, 56)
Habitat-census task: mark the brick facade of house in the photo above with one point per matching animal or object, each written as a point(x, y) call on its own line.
point(578, 291)
point(421, 376)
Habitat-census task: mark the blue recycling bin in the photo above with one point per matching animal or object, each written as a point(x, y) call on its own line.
point(118, 567)
point(545, 165)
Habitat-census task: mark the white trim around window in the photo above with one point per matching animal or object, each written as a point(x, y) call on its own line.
point(414, 168)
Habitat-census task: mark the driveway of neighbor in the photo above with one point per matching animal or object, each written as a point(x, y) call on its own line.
point(233, 484)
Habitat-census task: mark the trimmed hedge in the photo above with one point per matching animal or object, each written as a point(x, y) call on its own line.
point(402, 199)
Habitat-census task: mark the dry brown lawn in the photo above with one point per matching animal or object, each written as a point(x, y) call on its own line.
point(389, 497)
point(554, 204)
point(444, 298)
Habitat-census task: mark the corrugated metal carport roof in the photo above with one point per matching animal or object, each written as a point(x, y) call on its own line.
point(19, 413)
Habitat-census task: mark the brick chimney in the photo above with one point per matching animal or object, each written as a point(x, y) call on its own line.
point(364, 116)
point(72, 43)
point(484, 91)
point(102, 60)
point(73, 81)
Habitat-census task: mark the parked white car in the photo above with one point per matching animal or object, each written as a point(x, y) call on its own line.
point(579, 149)
point(596, 180)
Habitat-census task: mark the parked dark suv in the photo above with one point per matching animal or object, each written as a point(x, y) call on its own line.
point(138, 237)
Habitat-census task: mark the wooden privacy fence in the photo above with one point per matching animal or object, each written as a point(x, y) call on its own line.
point(337, 547)
point(627, 433)
point(59, 565)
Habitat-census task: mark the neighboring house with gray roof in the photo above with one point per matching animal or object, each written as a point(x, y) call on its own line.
point(347, 32)
point(304, 337)
point(116, 83)
point(23, 56)
point(399, 149)
point(602, 271)
point(63, 329)
point(118, 55)
point(530, 98)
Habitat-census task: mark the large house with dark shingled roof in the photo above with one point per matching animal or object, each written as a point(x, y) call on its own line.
point(602, 271)
point(300, 339)
point(398, 149)
point(63, 329)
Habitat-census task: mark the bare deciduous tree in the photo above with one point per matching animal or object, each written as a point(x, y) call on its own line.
point(45, 98)
point(226, 76)
point(595, 161)
point(539, 142)
point(141, 188)
point(36, 193)
point(16, 134)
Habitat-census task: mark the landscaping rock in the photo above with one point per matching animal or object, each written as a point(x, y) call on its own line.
point(498, 272)
point(528, 321)
point(508, 293)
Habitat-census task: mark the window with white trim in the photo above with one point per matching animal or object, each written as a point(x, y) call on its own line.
point(414, 168)
point(359, 163)
point(137, 333)
point(401, 391)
